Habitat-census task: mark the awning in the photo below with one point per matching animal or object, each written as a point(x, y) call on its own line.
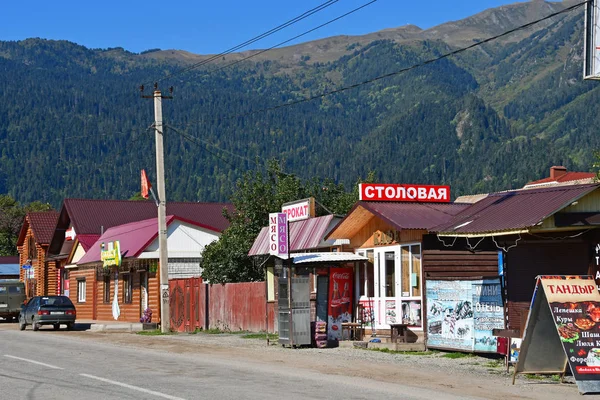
point(312, 258)
point(304, 235)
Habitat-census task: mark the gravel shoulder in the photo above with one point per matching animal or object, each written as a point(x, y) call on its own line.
point(472, 375)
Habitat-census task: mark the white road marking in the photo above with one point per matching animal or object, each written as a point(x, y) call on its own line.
point(139, 389)
point(33, 362)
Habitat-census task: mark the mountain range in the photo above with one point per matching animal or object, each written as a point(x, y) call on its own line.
point(73, 123)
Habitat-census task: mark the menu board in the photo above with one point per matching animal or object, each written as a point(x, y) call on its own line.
point(462, 313)
point(575, 305)
point(570, 320)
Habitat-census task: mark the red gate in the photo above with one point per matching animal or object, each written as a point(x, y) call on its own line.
point(185, 304)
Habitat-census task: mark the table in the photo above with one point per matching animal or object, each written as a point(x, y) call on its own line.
point(399, 332)
point(354, 329)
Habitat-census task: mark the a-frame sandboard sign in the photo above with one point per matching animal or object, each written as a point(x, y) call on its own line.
point(563, 328)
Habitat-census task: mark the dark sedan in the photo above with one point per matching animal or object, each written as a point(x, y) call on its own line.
point(47, 310)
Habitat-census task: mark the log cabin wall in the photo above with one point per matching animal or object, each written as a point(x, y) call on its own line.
point(129, 312)
point(87, 275)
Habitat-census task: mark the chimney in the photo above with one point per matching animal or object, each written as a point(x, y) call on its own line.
point(556, 172)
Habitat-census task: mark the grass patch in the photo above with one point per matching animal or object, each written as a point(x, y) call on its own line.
point(272, 336)
point(153, 332)
point(495, 364)
point(407, 353)
point(534, 377)
point(457, 355)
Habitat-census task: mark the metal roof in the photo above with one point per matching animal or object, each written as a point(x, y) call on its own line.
point(310, 258)
point(513, 211)
point(90, 216)
point(42, 223)
point(133, 239)
point(9, 269)
point(397, 214)
point(9, 260)
point(304, 235)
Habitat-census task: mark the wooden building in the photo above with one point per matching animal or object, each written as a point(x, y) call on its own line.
point(125, 291)
point(390, 285)
point(519, 235)
point(34, 239)
point(82, 221)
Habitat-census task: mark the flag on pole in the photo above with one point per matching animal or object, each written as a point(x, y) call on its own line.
point(146, 185)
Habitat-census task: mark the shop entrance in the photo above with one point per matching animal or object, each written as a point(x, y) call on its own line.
point(390, 286)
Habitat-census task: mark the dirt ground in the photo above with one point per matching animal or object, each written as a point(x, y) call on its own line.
point(477, 376)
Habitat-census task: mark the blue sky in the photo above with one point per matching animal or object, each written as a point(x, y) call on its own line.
point(213, 26)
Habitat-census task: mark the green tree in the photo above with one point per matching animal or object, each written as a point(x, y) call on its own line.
point(11, 220)
point(257, 194)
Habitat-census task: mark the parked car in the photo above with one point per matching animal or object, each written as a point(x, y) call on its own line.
point(12, 297)
point(48, 310)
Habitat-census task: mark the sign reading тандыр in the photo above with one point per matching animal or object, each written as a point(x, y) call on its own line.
point(406, 193)
point(278, 235)
point(111, 256)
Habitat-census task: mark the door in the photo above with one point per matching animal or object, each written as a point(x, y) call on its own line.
point(143, 292)
point(387, 286)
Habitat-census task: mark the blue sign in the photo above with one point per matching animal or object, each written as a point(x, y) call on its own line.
point(26, 266)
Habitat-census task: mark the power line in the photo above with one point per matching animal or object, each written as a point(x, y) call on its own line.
point(415, 66)
point(263, 35)
point(295, 37)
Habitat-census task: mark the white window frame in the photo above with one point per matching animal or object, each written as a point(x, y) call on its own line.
point(81, 288)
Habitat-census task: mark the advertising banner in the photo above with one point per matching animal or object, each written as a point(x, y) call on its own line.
point(563, 329)
point(340, 301)
point(403, 192)
point(462, 314)
point(278, 235)
point(575, 305)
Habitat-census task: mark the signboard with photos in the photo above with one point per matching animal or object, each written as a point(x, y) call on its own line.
point(563, 329)
point(461, 315)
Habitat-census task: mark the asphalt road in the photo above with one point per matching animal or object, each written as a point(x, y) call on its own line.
point(56, 365)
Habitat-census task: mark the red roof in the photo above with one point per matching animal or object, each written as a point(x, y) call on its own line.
point(90, 217)
point(9, 260)
point(567, 177)
point(513, 210)
point(42, 223)
point(87, 241)
point(133, 239)
point(412, 215)
point(304, 235)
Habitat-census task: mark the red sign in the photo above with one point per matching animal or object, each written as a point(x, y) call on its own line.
point(407, 193)
point(340, 300)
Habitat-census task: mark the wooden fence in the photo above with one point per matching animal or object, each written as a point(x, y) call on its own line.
point(232, 307)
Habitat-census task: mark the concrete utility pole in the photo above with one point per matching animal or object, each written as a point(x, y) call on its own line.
point(165, 317)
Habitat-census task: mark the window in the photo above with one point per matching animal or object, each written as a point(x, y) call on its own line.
point(127, 288)
point(81, 290)
point(107, 289)
point(15, 290)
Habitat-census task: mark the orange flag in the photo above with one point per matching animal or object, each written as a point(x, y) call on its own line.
point(146, 185)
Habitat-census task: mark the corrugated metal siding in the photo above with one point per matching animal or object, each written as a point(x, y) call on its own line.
point(514, 210)
point(238, 306)
point(304, 235)
point(526, 261)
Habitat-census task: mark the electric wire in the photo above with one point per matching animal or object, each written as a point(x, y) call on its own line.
point(263, 35)
point(410, 68)
point(295, 37)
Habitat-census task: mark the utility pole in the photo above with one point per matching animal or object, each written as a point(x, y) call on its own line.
point(165, 317)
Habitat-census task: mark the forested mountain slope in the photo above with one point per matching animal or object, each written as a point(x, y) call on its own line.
point(72, 123)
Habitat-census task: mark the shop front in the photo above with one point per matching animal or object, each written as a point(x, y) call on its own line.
point(387, 228)
point(511, 238)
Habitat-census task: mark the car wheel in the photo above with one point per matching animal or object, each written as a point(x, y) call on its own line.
point(35, 326)
point(70, 326)
point(56, 327)
point(21, 325)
